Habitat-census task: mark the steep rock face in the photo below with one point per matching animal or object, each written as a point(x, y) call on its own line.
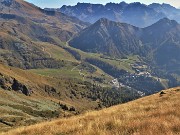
point(17, 86)
point(9, 83)
point(136, 14)
point(5, 82)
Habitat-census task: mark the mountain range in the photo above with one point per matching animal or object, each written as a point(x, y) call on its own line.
point(136, 14)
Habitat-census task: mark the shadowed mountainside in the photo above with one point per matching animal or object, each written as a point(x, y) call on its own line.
point(114, 39)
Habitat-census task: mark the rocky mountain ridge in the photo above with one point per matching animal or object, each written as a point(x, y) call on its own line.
point(136, 13)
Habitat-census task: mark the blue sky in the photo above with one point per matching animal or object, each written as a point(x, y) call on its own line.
point(59, 3)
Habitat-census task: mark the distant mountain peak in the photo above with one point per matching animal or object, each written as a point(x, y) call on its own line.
point(137, 4)
point(168, 5)
point(101, 23)
point(103, 20)
point(163, 5)
point(167, 21)
point(108, 37)
point(83, 4)
point(86, 4)
point(123, 2)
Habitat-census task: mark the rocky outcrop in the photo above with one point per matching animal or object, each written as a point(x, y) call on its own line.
point(8, 83)
point(5, 82)
point(17, 86)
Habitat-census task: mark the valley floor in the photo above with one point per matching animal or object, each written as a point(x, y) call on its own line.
point(153, 115)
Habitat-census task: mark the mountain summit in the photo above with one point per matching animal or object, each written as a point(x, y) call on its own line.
point(108, 37)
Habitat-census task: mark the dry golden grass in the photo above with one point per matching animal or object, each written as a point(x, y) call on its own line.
point(153, 115)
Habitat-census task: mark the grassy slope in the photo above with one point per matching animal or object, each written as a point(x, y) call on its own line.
point(59, 53)
point(38, 81)
point(55, 51)
point(67, 72)
point(119, 63)
point(18, 109)
point(153, 115)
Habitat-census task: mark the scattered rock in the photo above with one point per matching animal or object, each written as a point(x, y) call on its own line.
point(6, 123)
point(8, 83)
point(162, 93)
point(64, 107)
point(50, 89)
point(72, 109)
point(177, 90)
point(5, 82)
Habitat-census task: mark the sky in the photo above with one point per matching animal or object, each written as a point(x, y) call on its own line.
point(59, 3)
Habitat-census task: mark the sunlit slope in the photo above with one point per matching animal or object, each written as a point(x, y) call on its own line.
point(154, 115)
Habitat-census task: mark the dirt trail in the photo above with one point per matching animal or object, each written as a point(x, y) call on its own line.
point(79, 70)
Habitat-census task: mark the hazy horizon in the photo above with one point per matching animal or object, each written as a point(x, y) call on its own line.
point(59, 3)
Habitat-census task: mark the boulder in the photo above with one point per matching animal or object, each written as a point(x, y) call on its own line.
point(17, 86)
